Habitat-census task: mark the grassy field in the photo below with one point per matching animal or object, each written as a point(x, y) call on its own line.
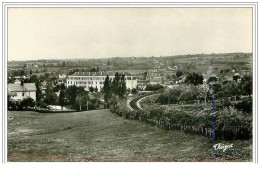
point(103, 136)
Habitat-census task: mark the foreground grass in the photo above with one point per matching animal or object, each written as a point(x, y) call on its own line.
point(103, 136)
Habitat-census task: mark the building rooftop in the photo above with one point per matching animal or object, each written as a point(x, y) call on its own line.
point(99, 73)
point(29, 87)
point(15, 87)
point(20, 88)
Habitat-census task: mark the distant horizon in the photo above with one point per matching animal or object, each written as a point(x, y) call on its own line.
point(128, 56)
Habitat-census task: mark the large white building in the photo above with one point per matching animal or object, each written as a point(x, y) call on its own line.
point(97, 79)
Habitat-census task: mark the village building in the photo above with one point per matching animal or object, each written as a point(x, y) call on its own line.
point(21, 77)
point(97, 79)
point(18, 92)
point(181, 79)
point(62, 76)
point(17, 81)
point(43, 87)
point(154, 77)
point(62, 79)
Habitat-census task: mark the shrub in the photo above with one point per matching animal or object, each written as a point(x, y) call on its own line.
point(164, 99)
point(134, 91)
point(245, 105)
point(226, 102)
point(153, 87)
point(233, 124)
point(26, 103)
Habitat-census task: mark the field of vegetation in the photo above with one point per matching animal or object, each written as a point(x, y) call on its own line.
point(103, 136)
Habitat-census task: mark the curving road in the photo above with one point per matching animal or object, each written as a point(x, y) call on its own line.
point(134, 104)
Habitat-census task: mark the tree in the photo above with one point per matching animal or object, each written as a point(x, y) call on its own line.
point(245, 105)
point(115, 84)
point(156, 113)
point(194, 79)
point(75, 96)
point(236, 78)
point(91, 89)
point(27, 102)
point(11, 80)
point(122, 87)
point(96, 89)
point(203, 90)
point(247, 85)
point(30, 72)
point(82, 99)
point(63, 64)
point(71, 94)
point(62, 96)
point(179, 73)
point(51, 97)
point(22, 72)
point(212, 78)
point(134, 91)
point(153, 87)
point(218, 90)
point(10, 103)
point(107, 89)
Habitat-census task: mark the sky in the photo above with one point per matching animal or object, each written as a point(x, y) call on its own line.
point(67, 33)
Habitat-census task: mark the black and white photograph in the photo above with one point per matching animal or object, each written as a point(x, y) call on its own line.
point(129, 95)
point(129, 84)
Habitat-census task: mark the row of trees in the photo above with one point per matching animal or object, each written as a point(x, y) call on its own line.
point(116, 87)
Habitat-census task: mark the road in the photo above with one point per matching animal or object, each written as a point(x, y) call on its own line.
point(134, 104)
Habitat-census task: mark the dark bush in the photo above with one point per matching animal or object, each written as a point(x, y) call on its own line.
point(134, 91)
point(245, 105)
point(26, 103)
point(153, 87)
point(165, 99)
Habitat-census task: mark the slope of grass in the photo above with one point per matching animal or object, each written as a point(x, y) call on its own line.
point(103, 136)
